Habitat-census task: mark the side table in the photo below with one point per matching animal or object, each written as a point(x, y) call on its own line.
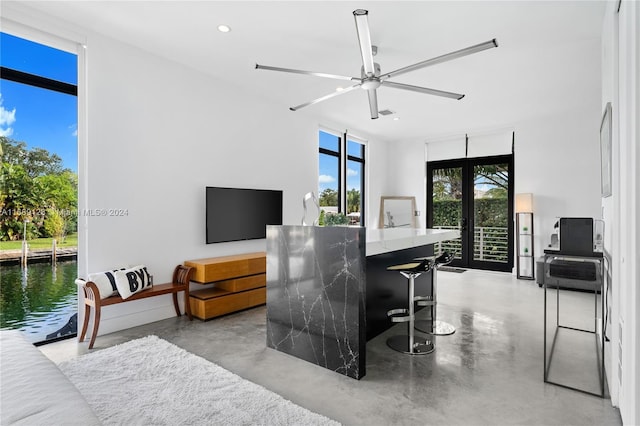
point(599, 259)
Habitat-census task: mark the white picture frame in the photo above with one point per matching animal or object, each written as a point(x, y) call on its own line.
point(605, 152)
point(397, 212)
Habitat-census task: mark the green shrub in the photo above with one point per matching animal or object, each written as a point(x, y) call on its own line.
point(333, 219)
point(489, 212)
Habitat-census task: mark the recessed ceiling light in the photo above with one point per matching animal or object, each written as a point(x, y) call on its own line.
point(339, 89)
point(396, 118)
point(224, 28)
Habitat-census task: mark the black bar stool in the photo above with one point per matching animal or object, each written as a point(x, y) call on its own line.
point(409, 343)
point(434, 326)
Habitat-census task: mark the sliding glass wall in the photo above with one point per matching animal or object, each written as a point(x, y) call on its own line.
point(38, 189)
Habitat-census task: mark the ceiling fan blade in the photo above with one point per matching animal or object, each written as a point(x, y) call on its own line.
point(426, 90)
point(364, 39)
point(373, 103)
point(324, 98)
point(317, 74)
point(443, 58)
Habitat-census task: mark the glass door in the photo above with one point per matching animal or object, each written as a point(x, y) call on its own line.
point(491, 213)
point(446, 205)
point(475, 197)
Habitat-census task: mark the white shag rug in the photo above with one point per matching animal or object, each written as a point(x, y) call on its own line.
point(150, 381)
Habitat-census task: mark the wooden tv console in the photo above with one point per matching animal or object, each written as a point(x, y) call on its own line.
point(239, 282)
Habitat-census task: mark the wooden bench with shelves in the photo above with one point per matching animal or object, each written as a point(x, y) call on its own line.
point(239, 282)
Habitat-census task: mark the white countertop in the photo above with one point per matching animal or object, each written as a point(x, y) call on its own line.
point(391, 239)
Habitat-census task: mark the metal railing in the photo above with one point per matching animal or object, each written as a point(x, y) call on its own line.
point(490, 243)
point(452, 246)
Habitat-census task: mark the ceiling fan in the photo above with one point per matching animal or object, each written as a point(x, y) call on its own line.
point(370, 76)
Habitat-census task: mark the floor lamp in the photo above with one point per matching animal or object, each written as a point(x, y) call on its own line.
point(524, 228)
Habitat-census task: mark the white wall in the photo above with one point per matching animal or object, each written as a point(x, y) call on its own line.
point(621, 87)
point(609, 211)
point(558, 160)
point(406, 174)
point(376, 181)
point(157, 134)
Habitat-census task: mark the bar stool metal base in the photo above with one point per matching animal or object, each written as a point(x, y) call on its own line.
point(400, 343)
point(399, 315)
point(440, 328)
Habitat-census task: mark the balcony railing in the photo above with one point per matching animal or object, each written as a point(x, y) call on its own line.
point(452, 246)
point(490, 243)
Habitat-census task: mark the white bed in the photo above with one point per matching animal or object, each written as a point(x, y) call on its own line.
point(33, 391)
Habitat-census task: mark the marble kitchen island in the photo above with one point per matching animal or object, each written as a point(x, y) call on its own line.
point(328, 290)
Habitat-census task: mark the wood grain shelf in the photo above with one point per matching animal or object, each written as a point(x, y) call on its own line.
point(239, 282)
point(226, 267)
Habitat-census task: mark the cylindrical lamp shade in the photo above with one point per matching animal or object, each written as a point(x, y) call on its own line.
point(524, 203)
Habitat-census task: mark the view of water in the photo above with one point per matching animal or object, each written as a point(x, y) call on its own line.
point(39, 299)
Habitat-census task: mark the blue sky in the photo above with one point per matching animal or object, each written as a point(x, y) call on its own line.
point(41, 118)
point(328, 166)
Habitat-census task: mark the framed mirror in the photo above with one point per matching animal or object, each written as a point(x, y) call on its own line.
point(397, 212)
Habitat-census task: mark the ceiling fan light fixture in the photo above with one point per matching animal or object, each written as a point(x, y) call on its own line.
point(370, 84)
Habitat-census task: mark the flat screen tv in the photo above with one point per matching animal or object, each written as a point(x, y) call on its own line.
point(235, 214)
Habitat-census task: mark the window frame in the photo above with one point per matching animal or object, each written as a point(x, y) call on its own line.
point(343, 159)
point(336, 154)
point(362, 161)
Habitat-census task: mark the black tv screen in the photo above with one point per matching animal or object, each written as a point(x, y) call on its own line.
point(235, 214)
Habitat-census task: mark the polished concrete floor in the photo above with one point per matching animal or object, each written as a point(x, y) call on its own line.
point(490, 372)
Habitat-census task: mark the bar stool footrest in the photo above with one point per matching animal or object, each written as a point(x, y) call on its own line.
point(424, 300)
point(399, 315)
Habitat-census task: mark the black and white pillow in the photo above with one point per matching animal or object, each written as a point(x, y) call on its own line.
point(106, 282)
point(133, 280)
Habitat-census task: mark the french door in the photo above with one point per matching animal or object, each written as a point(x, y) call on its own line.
point(475, 196)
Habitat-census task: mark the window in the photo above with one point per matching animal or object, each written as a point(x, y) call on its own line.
point(38, 133)
point(355, 182)
point(341, 175)
point(329, 173)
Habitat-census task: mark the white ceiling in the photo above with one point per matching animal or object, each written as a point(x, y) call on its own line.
point(539, 68)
